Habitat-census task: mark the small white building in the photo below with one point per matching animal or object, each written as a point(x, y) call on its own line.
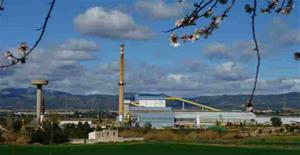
point(104, 136)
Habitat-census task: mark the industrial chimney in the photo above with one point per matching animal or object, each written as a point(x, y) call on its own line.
point(121, 84)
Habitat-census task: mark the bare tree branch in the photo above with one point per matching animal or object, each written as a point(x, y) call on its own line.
point(207, 30)
point(250, 104)
point(272, 5)
point(43, 29)
point(194, 15)
point(297, 56)
point(2, 5)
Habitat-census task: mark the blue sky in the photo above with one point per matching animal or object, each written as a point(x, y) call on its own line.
point(80, 50)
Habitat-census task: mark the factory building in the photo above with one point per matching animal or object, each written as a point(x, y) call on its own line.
point(205, 119)
point(162, 111)
point(158, 117)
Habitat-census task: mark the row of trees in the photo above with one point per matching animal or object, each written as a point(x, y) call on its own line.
point(51, 133)
point(48, 133)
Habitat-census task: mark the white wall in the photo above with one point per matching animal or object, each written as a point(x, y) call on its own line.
point(153, 103)
point(92, 135)
point(284, 119)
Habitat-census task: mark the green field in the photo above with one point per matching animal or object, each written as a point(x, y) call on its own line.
point(142, 149)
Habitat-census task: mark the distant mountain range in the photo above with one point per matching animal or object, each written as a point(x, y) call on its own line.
point(24, 99)
point(231, 102)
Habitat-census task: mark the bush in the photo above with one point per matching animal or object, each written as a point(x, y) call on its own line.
point(260, 131)
point(2, 140)
point(281, 130)
point(276, 121)
point(148, 125)
point(40, 136)
point(270, 131)
point(50, 133)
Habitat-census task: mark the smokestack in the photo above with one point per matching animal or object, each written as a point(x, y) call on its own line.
point(121, 84)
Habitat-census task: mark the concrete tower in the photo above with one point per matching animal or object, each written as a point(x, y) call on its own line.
point(39, 98)
point(121, 84)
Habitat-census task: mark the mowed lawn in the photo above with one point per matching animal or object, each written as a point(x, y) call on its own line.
point(143, 149)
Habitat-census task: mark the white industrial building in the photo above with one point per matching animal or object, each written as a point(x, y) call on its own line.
point(284, 119)
point(153, 100)
point(155, 109)
point(204, 119)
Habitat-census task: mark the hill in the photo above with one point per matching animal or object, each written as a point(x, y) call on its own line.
point(24, 98)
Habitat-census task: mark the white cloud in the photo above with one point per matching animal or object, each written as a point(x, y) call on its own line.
point(158, 9)
point(239, 51)
point(80, 45)
point(217, 51)
point(76, 49)
point(113, 24)
point(192, 78)
point(282, 34)
point(230, 71)
point(56, 65)
point(175, 77)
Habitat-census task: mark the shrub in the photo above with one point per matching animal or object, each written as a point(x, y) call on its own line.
point(2, 140)
point(260, 131)
point(276, 121)
point(270, 131)
point(281, 130)
point(148, 125)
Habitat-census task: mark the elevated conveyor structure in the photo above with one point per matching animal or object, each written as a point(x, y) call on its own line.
point(203, 107)
point(135, 103)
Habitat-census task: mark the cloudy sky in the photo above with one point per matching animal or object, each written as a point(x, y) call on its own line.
point(80, 50)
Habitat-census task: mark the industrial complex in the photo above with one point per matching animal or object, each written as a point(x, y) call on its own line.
point(162, 111)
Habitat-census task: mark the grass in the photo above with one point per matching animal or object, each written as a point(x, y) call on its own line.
point(141, 148)
point(289, 142)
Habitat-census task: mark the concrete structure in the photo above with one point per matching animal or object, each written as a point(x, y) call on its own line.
point(126, 107)
point(105, 135)
point(121, 85)
point(39, 98)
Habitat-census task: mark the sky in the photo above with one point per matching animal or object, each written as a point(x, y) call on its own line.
point(80, 50)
